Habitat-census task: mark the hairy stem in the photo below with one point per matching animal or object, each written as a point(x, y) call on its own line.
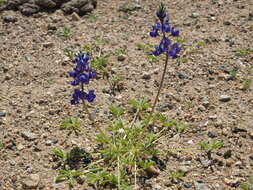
point(89, 114)
point(160, 85)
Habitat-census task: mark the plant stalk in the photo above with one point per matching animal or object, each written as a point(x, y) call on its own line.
point(90, 116)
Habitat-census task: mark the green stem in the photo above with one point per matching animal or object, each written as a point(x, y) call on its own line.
point(160, 85)
point(90, 116)
point(161, 82)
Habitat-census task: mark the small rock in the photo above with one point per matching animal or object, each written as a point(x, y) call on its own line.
point(28, 58)
point(201, 186)
point(231, 182)
point(227, 154)
point(251, 135)
point(212, 18)
point(212, 117)
point(195, 15)
point(9, 18)
point(227, 23)
point(205, 163)
point(224, 98)
point(29, 135)
point(8, 76)
point(156, 187)
point(185, 169)
point(121, 57)
point(20, 147)
point(229, 162)
point(51, 27)
point(2, 113)
point(31, 182)
point(48, 44)
point(146, 76)
point(206, 104)
point(48, 143)
point(202, 108)
point(75, 17)
point(211, 134)
point(188, 185)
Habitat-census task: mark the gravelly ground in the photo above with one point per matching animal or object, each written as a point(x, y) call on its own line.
point(35, 90)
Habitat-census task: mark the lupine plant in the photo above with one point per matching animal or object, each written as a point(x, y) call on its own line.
point(128, 147)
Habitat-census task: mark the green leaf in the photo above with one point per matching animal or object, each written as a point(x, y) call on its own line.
point(207, 146)
point(177, 174)
point(116, 111)
point(60, 154)
point(71, 124)
point(181, 127)
point(146, 164)
point(139, 104)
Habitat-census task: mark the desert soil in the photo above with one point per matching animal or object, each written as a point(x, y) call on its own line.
point(204, 88)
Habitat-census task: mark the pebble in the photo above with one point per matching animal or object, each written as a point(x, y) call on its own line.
point(231, 182)
point(201, 186)
point(188, 185)
point(121, 58)
point(227, 154)
point(146, 76)
point(251, 135)
point(48, 143)
point(224, 98)
point(48, 44)
point(29, 135)
point(156, 187)
point(75, 17)
point(31, 182)
point(202, 108)
point(212, 117)
point(185, 169)
point(9, 18)
point(28, 58)
point(206, 104)
point(20, 147)
point(205, 163)
point(195, 15)
point(2, 114)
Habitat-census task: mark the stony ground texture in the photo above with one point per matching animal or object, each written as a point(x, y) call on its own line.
point(204, 88)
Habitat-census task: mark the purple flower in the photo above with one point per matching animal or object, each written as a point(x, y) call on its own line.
point(163, 46)
point(175, 49)
point(174, 32)
point(82, 74)
point(90, 97)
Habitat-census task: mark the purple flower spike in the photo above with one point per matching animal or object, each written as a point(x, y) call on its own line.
point(82, 74)
point(90, 97)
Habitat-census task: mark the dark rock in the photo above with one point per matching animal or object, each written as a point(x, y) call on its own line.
point(81, 7)
point(45, 4)
point(9, 18)
point(30, 7)
point(227, 154)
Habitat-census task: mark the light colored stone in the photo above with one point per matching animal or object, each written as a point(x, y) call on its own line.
point(31, 182)
point(224, 98)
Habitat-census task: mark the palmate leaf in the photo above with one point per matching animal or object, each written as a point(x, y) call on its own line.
point(211, 146)
point(69, 175)
point(72, 123)
point(116, 111)
point(60, 154)
point(139, 104)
